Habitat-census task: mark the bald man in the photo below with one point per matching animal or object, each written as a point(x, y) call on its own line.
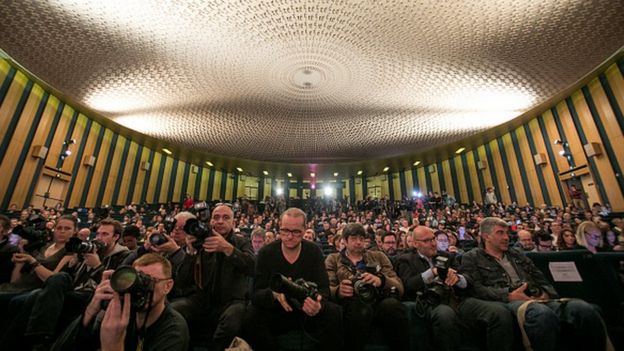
point(525, 241)
point(214, 282)
point(417, 269)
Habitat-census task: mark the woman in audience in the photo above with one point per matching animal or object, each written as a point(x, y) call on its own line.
point(567, 241)
point(589, 236)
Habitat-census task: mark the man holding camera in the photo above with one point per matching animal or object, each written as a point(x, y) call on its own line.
point(429, 277)
point(276, 311)
point(214, 281)
point(136, 317)
point(65, 293)
point(364, 283)
point(503, 275)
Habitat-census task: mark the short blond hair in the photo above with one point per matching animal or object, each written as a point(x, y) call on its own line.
point(295, 213)
point(152, 258)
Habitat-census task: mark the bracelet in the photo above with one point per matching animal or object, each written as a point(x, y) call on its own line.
point(35, 265)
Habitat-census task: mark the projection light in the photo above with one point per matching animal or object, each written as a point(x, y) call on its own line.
point(328, 191)
point(279, 191)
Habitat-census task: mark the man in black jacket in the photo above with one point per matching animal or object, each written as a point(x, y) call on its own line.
point(215, 282)
point(273, 312)
point(507, 277)
point(419, 273)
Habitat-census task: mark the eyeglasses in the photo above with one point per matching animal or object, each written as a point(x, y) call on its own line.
point(296, 232)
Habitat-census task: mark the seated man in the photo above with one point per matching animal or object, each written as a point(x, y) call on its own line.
point(213, 283)
point(6, 250)
point(498, 273)
point(128, 323)
point(418, 271)
point(273, 313)
point(364, 283)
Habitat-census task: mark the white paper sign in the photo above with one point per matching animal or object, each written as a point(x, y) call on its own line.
point(564, 272)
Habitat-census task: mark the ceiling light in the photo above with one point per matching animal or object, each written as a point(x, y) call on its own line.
point(265, 173)
point(335, 174)
point(239, 169)
point(167, 151)
point(289, 174)
point(460, 150)
point(312, 175)
point(416, 163)
point(386, 169)
point(360, 172)
point(209, 163)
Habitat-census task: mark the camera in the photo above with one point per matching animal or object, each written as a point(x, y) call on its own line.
point(364, 291)
point(170, 223)
point(127, 280)
point(77, 246)
point(199, 230)
point(200, 209)
point(34, 231)
point(157, 239)
point(296, 291)
point(442, 265)
point(531, 290)
point(438, 293)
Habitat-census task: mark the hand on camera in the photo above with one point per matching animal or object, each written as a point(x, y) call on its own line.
point(169, 247)
point(92, 259)
point(345, 289)
point(115, 323)
point(217, 243)
point(281, 298)
point(312, 307)
point(371, 279)
point(451, 277)
point(103, 292)
point(518, 294)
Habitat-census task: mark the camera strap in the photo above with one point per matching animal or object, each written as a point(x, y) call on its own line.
point(143, 329)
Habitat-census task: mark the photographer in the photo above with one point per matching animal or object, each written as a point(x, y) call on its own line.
point(364, 283)
point(135, 319)
point(508, 278)
point(274, 313)
point(214, 282)
point(432, 284)
point(66, 293)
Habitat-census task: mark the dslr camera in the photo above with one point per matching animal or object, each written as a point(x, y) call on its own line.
point(199, 230)
point(364, 291)
point(296, 292)
point(438, 293)
point(77, 246)
point(34, 230)
point(532, 290)
point(140, 286)
point(157, 239)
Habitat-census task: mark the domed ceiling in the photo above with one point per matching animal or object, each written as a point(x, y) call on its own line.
point(310, 81)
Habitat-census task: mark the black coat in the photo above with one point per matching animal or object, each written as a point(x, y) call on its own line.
point(410, 265)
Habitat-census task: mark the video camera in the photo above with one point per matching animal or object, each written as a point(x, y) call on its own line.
point(34, 231)
point(296, 291)
point(140, 286)
point(77, 246)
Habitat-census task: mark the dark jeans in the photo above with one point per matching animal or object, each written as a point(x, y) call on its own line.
point(544, 322)
point(491, 316)
point(263, 326)
point(445, 327)
point(39, 315)
point(223, 321)
point(389, 315)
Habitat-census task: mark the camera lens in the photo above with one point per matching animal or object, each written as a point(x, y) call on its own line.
point(123, 279)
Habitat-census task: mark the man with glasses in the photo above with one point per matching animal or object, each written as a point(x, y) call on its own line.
point(368, 289)
point(214, 281)
point(273, 313)
point(152, 326)
point(418, 271)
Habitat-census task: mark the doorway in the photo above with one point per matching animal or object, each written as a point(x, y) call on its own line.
point(49, 191)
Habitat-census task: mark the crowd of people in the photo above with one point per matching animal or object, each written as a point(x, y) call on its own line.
point(172, 276)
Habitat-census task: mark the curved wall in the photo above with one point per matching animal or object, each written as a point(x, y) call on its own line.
point(31, 118)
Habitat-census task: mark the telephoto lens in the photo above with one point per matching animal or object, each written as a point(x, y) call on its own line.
point(76, 245)
point(157, 239)
point(296, 291)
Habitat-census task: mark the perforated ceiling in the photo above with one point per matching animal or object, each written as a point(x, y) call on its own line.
point(311, 81)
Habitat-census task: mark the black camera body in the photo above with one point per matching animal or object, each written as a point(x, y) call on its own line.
point(296, 292)
point(140, 286)
point(199, 230)
point(77, 246)
point(170, 223)
point(438, 293)
point(532, 290)
point(157, 239)
point(442, 265)
point(364, 291)
point(34, 230)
